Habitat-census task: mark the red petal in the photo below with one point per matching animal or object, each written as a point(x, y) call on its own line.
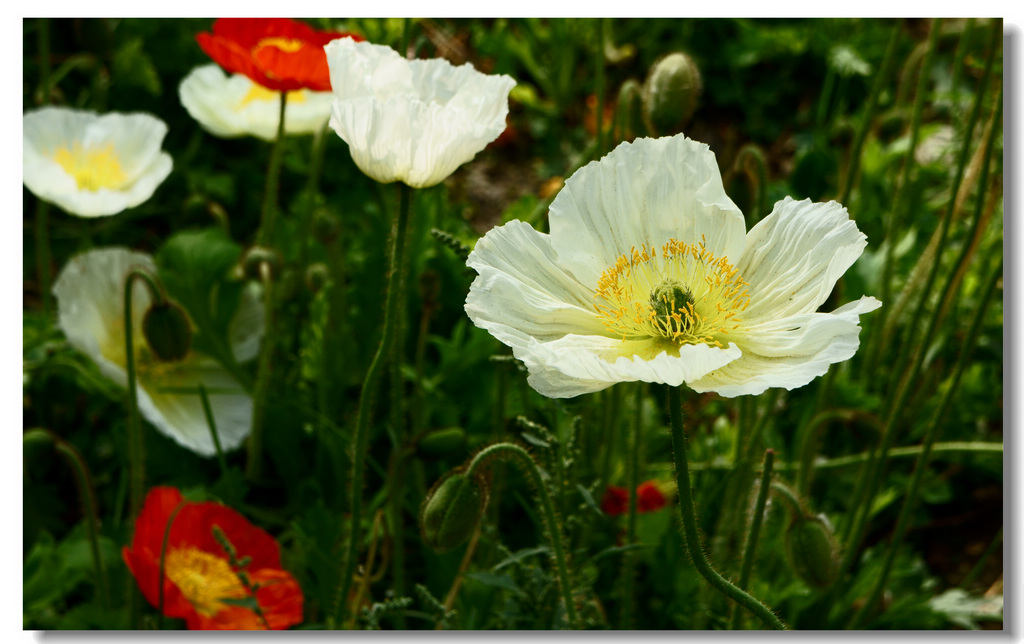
point(615, 501)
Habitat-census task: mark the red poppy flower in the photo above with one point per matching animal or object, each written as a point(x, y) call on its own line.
point(205, 584)
point(649, 498)
point(277, 53)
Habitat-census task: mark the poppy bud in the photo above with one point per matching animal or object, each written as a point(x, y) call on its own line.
point(255, 257)
point(671, 92)
point(812, 551)
point(451, 510)
point(441, 441)
point(168, 331)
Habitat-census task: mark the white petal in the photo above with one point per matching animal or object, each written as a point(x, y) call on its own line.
point(233, 106)
point(794, 256)
point(411, 121)
point(521, 285)
point(644, 192)
point(180, 416)
point(790, 352)
point(134, 138)
point(249, 323)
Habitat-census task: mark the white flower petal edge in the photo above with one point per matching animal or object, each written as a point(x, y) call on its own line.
point(790, 352)
point(644, 192)
point(411, 121)
point(119, 153)
point(90, 299)
point(754, 325)
point(234, 106)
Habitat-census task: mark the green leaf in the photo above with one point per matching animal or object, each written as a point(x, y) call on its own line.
point(497, 581)
point(519, 556)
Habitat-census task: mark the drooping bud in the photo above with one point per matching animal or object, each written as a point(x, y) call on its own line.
point(629, 110)
point(452, 510)
point(812, 551)
point(441, 441)
point(671, 92)
point(168, 331)
point(258, 256)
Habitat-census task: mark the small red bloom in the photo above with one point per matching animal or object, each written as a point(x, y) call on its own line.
point(649, 498)
point(201, 585)
point(277, 53)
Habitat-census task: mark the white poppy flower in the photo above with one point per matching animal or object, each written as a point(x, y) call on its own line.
point(233, 106)
point(414, 121)
point(90, 300)
point(93, 165)
point(648, 274)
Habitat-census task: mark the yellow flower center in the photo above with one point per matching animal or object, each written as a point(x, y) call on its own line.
point(93, 168)
point(261, 93)
point(287, 45)
point(684, 295)
point(204, 579)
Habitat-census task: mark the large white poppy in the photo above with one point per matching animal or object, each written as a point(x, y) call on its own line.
point(90, 301)
point(93, 165)
point(648, 274)
point(414, 121)
point(233, 106)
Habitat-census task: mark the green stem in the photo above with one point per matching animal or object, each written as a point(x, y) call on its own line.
point(980, 565)
point(921, 466)
point(273, 174)
point(373, 375)
point(750, 152)
point(756, 519)
point(212, 424)
point(689, 518)
point(523, 459)
point(632, 480)
point(869, 113)
point(254, 453)
point(316, 164)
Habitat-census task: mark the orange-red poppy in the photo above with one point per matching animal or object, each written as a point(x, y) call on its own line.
point(649, 498)
point(277, 53)
point(204, 583)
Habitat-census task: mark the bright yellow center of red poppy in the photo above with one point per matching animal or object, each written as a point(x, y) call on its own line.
point(287, 45)
point(205, 579)
point(92, 168)
point(683, 295)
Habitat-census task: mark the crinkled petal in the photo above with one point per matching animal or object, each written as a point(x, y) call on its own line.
point(795, 255)
point(521, 285)
point(644, 192)
point(789, 352)
point(412, 121)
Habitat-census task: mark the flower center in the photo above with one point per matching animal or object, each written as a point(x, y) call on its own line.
point(93, 168)
point(684, 295)
point(261, 93)
point(206, 580)
point(287, 45)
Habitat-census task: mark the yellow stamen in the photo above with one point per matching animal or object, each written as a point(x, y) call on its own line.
point(93, 168)
point(204, 579)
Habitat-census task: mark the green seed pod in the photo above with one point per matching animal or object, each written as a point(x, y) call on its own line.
point(255, 257)
point(671, 93)
point(168, 331)
point(451, 510)
point(441, 441)
point(812, 551)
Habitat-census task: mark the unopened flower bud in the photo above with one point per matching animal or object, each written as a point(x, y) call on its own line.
point(317, 276)
point(168, 331)
point(441, 441)
point(256, 257)
point(671, 93)
point(812, 551)
point(452, 510)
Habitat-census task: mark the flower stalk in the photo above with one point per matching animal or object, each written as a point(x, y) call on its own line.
point(689, 518)
point(208, 412)
point(273, 175)
point(370, 385)
point(522, 458)
point(254, 453)
point(747, 564)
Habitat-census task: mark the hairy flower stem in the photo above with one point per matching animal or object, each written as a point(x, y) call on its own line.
point(254, 453)
point(929, 440)
point(316, 164)
point(373, 375)
point(627, 581)
point(689, 517)
point(266, 230)
point(747, 565)
point(522, 458)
